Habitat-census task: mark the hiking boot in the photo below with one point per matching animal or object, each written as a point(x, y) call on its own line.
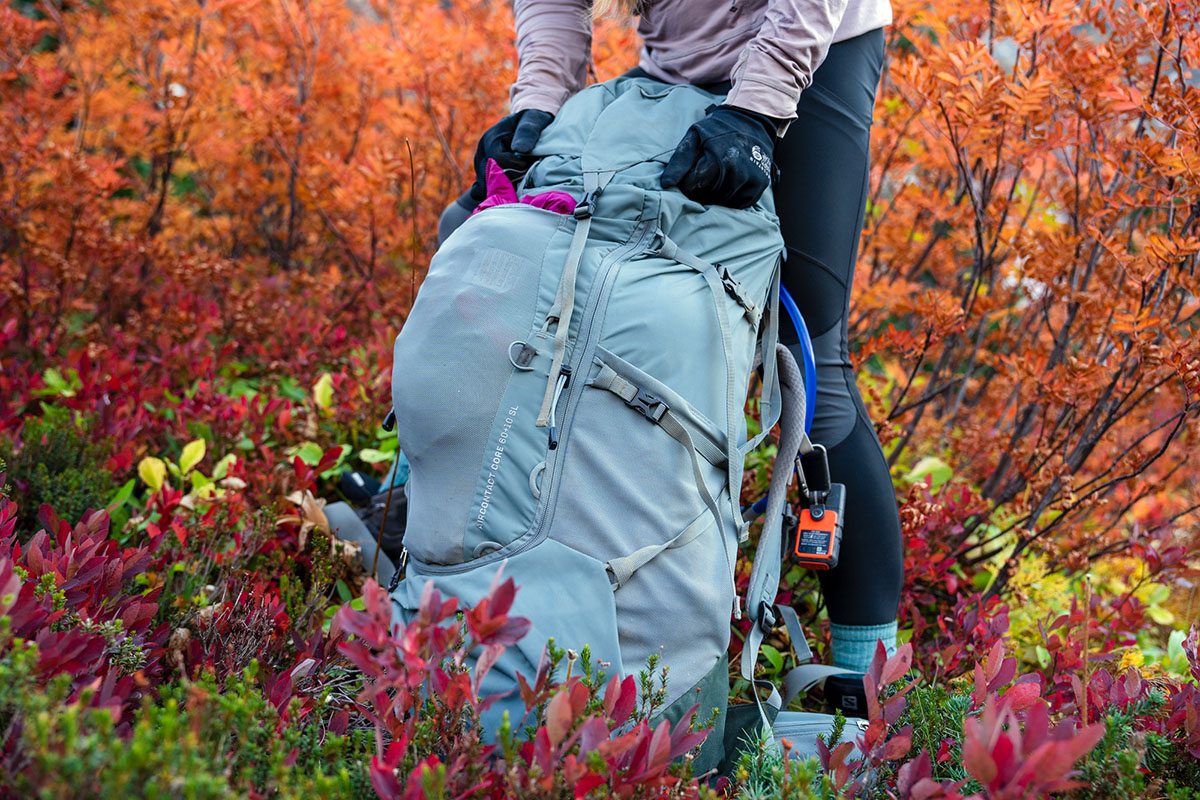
point(845, 693)
point(358, 487)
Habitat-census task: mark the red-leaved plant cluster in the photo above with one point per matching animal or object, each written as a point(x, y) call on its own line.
point(575, 749)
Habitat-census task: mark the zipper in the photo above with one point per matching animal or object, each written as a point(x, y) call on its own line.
point(564, 378)
point(568, 391)
point(585, 348)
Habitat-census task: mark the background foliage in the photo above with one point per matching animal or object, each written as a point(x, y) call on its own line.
point(215, 216)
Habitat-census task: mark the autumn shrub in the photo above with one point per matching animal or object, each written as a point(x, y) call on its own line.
point(60, 465)
point(202, 740)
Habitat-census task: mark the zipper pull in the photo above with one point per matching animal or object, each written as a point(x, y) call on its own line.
point(564, 378)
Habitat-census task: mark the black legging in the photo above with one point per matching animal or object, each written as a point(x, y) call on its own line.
point(824, 162)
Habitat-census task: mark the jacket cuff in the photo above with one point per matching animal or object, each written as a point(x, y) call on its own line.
point(550, 102)
point(768, 99)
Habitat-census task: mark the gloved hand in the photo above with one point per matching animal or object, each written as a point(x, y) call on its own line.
point(510, 142)
point(725, 158)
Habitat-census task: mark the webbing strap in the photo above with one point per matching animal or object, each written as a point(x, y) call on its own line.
point(730, 284)
point(564, 300)
point(733, 409)
point(661, 415)
point(622, 568)
point(770, 404)
point(707, 446)
point(795, 633)
point(806, 676)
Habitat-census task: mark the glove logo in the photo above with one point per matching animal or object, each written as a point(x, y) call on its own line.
point(761, 160)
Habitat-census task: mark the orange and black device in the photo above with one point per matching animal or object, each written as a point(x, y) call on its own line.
point(818, 537)
point(817, 526)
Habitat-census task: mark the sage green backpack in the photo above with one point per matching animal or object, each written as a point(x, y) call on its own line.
point(570, 393)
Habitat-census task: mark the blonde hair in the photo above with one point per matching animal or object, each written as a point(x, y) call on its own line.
point(617, 8)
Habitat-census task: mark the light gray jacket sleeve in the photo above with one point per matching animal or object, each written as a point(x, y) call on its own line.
point(554, 46)
point(779, 62)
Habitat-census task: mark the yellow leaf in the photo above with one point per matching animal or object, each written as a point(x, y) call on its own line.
point(193, 454)
point(323, 391)
point(153, 472)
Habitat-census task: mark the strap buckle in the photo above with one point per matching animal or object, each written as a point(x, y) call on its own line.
point(648, 405)
point(767, 618)
point(735, 289)
point(818, 463)
point(586, 206)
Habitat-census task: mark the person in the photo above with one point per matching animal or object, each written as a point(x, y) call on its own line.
point(799, 79)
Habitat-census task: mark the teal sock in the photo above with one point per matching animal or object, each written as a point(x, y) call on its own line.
point(854, 645)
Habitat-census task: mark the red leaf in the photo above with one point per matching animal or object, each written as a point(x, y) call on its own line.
point(558, 717)
point(897, 666)
point(995, 660)
point(587, 783)
point(976, 757)
point(899, 745)
point(1021, 696)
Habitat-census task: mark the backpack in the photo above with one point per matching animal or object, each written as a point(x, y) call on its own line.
point(569, 391)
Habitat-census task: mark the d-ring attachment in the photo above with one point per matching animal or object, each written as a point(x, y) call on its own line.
point(523, 355)
point(535, 478)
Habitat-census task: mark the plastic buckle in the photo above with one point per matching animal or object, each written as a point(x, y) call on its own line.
point(766, 618)
point(389, 422)
point(728, 281)
point(647, 405)
point(586, 206)
point(734, 289)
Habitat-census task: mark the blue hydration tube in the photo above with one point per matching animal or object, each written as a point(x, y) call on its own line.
point(810, 372)
point(810, 361)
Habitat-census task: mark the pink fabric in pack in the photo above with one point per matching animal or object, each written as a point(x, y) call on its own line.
point(500, 191)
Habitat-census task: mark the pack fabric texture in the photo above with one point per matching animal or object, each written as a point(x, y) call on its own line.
point(569, 391)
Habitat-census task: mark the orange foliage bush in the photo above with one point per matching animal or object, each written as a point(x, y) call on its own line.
point(238, 168)
point(1028, 280)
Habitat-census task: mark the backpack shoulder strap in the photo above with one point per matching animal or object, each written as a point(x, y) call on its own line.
point(764, 575)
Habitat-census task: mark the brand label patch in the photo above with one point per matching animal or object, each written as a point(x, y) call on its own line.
point(496, 269)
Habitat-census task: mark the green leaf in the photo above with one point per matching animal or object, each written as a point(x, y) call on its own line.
point(291, 390)
point(1160, 615)
point(1043, 656)
point(193, 454)
point(199, 481)
point(222, 467)
point(343, 591)
point(309, 452)
point(153, 472)
point(372, 456)
point(774, 657)
point(323, 391)
point(121, 496)
point(939, 470)
point(56, 384)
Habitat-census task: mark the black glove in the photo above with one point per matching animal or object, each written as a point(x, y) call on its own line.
point(510, 142)
point(725, 158)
